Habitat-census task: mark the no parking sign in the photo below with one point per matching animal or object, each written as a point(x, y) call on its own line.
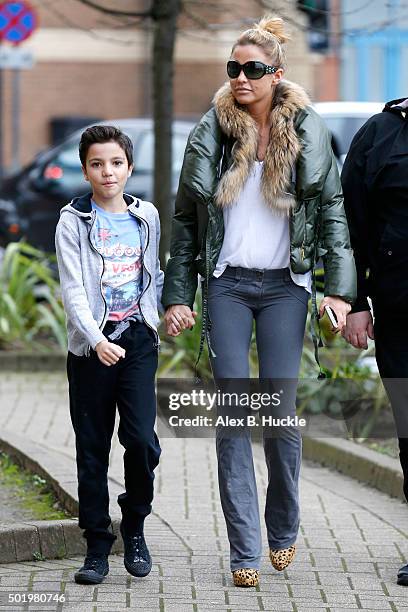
point(18, 20)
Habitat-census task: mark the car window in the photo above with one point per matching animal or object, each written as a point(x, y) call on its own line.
point(343, 130)
point(69, 157)
point(65, 168)
point(143, 154)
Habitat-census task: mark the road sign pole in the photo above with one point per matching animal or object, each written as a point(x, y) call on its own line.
point(1, 122)
point(18, 20)
point(16, 119)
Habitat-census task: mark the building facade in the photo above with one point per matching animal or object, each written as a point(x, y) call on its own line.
point(374, 50)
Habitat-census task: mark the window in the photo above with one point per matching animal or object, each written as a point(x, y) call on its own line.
point(343, 130)
point(65, 168)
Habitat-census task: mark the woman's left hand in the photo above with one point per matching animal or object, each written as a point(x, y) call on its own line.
point(339, 307)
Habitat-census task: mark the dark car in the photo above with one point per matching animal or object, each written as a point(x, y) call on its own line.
point(30, 200)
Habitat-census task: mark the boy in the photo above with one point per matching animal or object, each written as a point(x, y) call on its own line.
point(107, 249)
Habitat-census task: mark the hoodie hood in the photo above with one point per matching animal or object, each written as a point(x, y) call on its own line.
point(397, 107)
point(282, 151)
point(82, 207)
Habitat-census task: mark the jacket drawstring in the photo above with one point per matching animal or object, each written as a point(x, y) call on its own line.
point(205, 317)
point(315, 329)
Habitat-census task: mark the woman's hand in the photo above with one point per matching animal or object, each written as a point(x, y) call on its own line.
point(109, 353)
point(339, 307)
point(359, 325)
point(179, 317)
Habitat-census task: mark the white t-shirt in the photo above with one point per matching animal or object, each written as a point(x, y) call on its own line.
point(255, 236)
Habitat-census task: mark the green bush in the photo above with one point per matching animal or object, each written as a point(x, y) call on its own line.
point(31, 312)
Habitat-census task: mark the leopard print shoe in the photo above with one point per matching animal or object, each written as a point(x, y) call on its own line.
point(246, 577)
point(280, 559)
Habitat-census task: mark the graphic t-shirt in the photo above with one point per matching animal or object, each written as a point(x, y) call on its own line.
point(117, 237)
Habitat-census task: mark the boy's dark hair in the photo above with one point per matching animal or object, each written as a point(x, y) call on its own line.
point(104, 133)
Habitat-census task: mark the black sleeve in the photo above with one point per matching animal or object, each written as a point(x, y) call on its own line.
point(356, 206)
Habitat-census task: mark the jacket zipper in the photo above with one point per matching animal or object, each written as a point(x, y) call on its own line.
point(156, 335)
point(88, 350)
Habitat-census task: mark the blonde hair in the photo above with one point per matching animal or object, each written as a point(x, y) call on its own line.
point(268, 34)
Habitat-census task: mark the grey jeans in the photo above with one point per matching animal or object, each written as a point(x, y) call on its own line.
point(279, 307)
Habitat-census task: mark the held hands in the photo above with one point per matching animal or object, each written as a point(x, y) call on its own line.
point(359, 326)
point(339, 307)
point(177, 318)
point(109, 353)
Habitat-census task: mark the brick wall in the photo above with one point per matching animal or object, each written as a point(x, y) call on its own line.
point(94, 90)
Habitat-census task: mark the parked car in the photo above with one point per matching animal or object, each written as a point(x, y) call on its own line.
point(31, 199)
point(344, 119)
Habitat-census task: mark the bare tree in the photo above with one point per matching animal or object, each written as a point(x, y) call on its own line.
point(165, 17)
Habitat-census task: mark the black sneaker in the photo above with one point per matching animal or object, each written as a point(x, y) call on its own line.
point(137, 559)
point(94, 569)
point(402, 577)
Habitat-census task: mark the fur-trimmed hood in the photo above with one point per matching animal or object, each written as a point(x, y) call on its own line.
point(281, 153)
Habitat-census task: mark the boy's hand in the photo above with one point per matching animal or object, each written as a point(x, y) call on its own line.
point(109, 353)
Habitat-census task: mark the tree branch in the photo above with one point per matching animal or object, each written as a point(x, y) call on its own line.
point(369, 28)
point(205, 25)
point(94, 33)
point(202, 23)
point(115, 12)
point(211, 5)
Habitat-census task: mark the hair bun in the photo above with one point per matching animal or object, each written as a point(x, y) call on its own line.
point(273, 25)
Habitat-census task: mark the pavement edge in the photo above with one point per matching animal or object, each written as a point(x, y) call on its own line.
point(361, 463)
point(39, 540)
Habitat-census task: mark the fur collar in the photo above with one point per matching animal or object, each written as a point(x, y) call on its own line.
point(281, 153)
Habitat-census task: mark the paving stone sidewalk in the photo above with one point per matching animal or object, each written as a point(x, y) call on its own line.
point(351, 543)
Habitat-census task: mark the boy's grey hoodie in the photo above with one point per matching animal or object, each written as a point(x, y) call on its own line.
point(81, 268)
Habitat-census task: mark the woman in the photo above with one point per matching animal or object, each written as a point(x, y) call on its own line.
point(259, 200)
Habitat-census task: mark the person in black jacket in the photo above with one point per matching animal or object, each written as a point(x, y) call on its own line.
point(375, 185)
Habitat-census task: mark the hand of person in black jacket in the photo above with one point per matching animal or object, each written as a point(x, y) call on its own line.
point(359, 326)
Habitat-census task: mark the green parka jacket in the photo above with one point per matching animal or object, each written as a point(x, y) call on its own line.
point(300, 179)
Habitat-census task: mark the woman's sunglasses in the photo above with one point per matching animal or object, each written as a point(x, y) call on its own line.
point(252, 70)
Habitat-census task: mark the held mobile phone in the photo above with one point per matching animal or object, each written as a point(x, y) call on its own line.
point(331, 316)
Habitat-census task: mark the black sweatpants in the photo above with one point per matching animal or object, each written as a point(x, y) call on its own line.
point(391, 343)
point(95, 390)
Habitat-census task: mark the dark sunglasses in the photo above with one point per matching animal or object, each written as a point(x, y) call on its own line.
point(252, 70)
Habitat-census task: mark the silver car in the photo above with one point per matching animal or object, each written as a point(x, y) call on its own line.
point(344, 119)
